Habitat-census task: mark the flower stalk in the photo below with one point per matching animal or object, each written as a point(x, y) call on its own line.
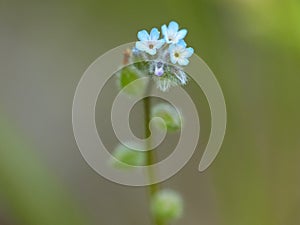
point(150, 154)
point(163, 60)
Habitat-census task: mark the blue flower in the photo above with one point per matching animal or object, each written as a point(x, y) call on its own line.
point(171, 33)
point(180, 54)
point(149, 43)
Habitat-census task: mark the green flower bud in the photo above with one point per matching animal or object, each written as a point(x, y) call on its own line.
point(169, 114)
point(124, 157)
point(166, 205)
point(126, 76)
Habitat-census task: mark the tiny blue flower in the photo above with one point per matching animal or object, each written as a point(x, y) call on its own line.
point(171, 33)
point(149, 43)
point(180, 54)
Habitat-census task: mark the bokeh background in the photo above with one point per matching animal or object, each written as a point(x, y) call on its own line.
point(253, 47)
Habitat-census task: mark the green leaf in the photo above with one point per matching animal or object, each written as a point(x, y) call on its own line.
point(126, 76)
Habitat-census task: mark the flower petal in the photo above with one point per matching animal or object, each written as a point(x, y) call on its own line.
point(151, 51)
point(164, 30)
point(141, 45)
point(181, 34)
point(183, 61)
point(182, 43)
point(173, 26)
point(188, 52)
point(143, 35)
point(159, 43)
point(154, 34)
point(173, 59)
point(172, 48)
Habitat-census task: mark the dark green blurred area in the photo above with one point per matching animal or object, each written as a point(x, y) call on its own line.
point(252, 46)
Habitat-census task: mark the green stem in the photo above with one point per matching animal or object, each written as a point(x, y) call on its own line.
point(151, 158)
point(150, 153)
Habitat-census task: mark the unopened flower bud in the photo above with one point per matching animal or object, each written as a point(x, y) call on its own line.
point(159, 69)
point(171, 117)
point(167, 205)
point(124, 157)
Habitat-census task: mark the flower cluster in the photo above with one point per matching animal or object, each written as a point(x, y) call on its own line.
point(165, 56)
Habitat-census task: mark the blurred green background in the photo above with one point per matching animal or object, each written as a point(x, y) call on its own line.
point(253, 47)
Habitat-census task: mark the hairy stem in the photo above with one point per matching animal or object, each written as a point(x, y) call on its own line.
point(151, 158)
